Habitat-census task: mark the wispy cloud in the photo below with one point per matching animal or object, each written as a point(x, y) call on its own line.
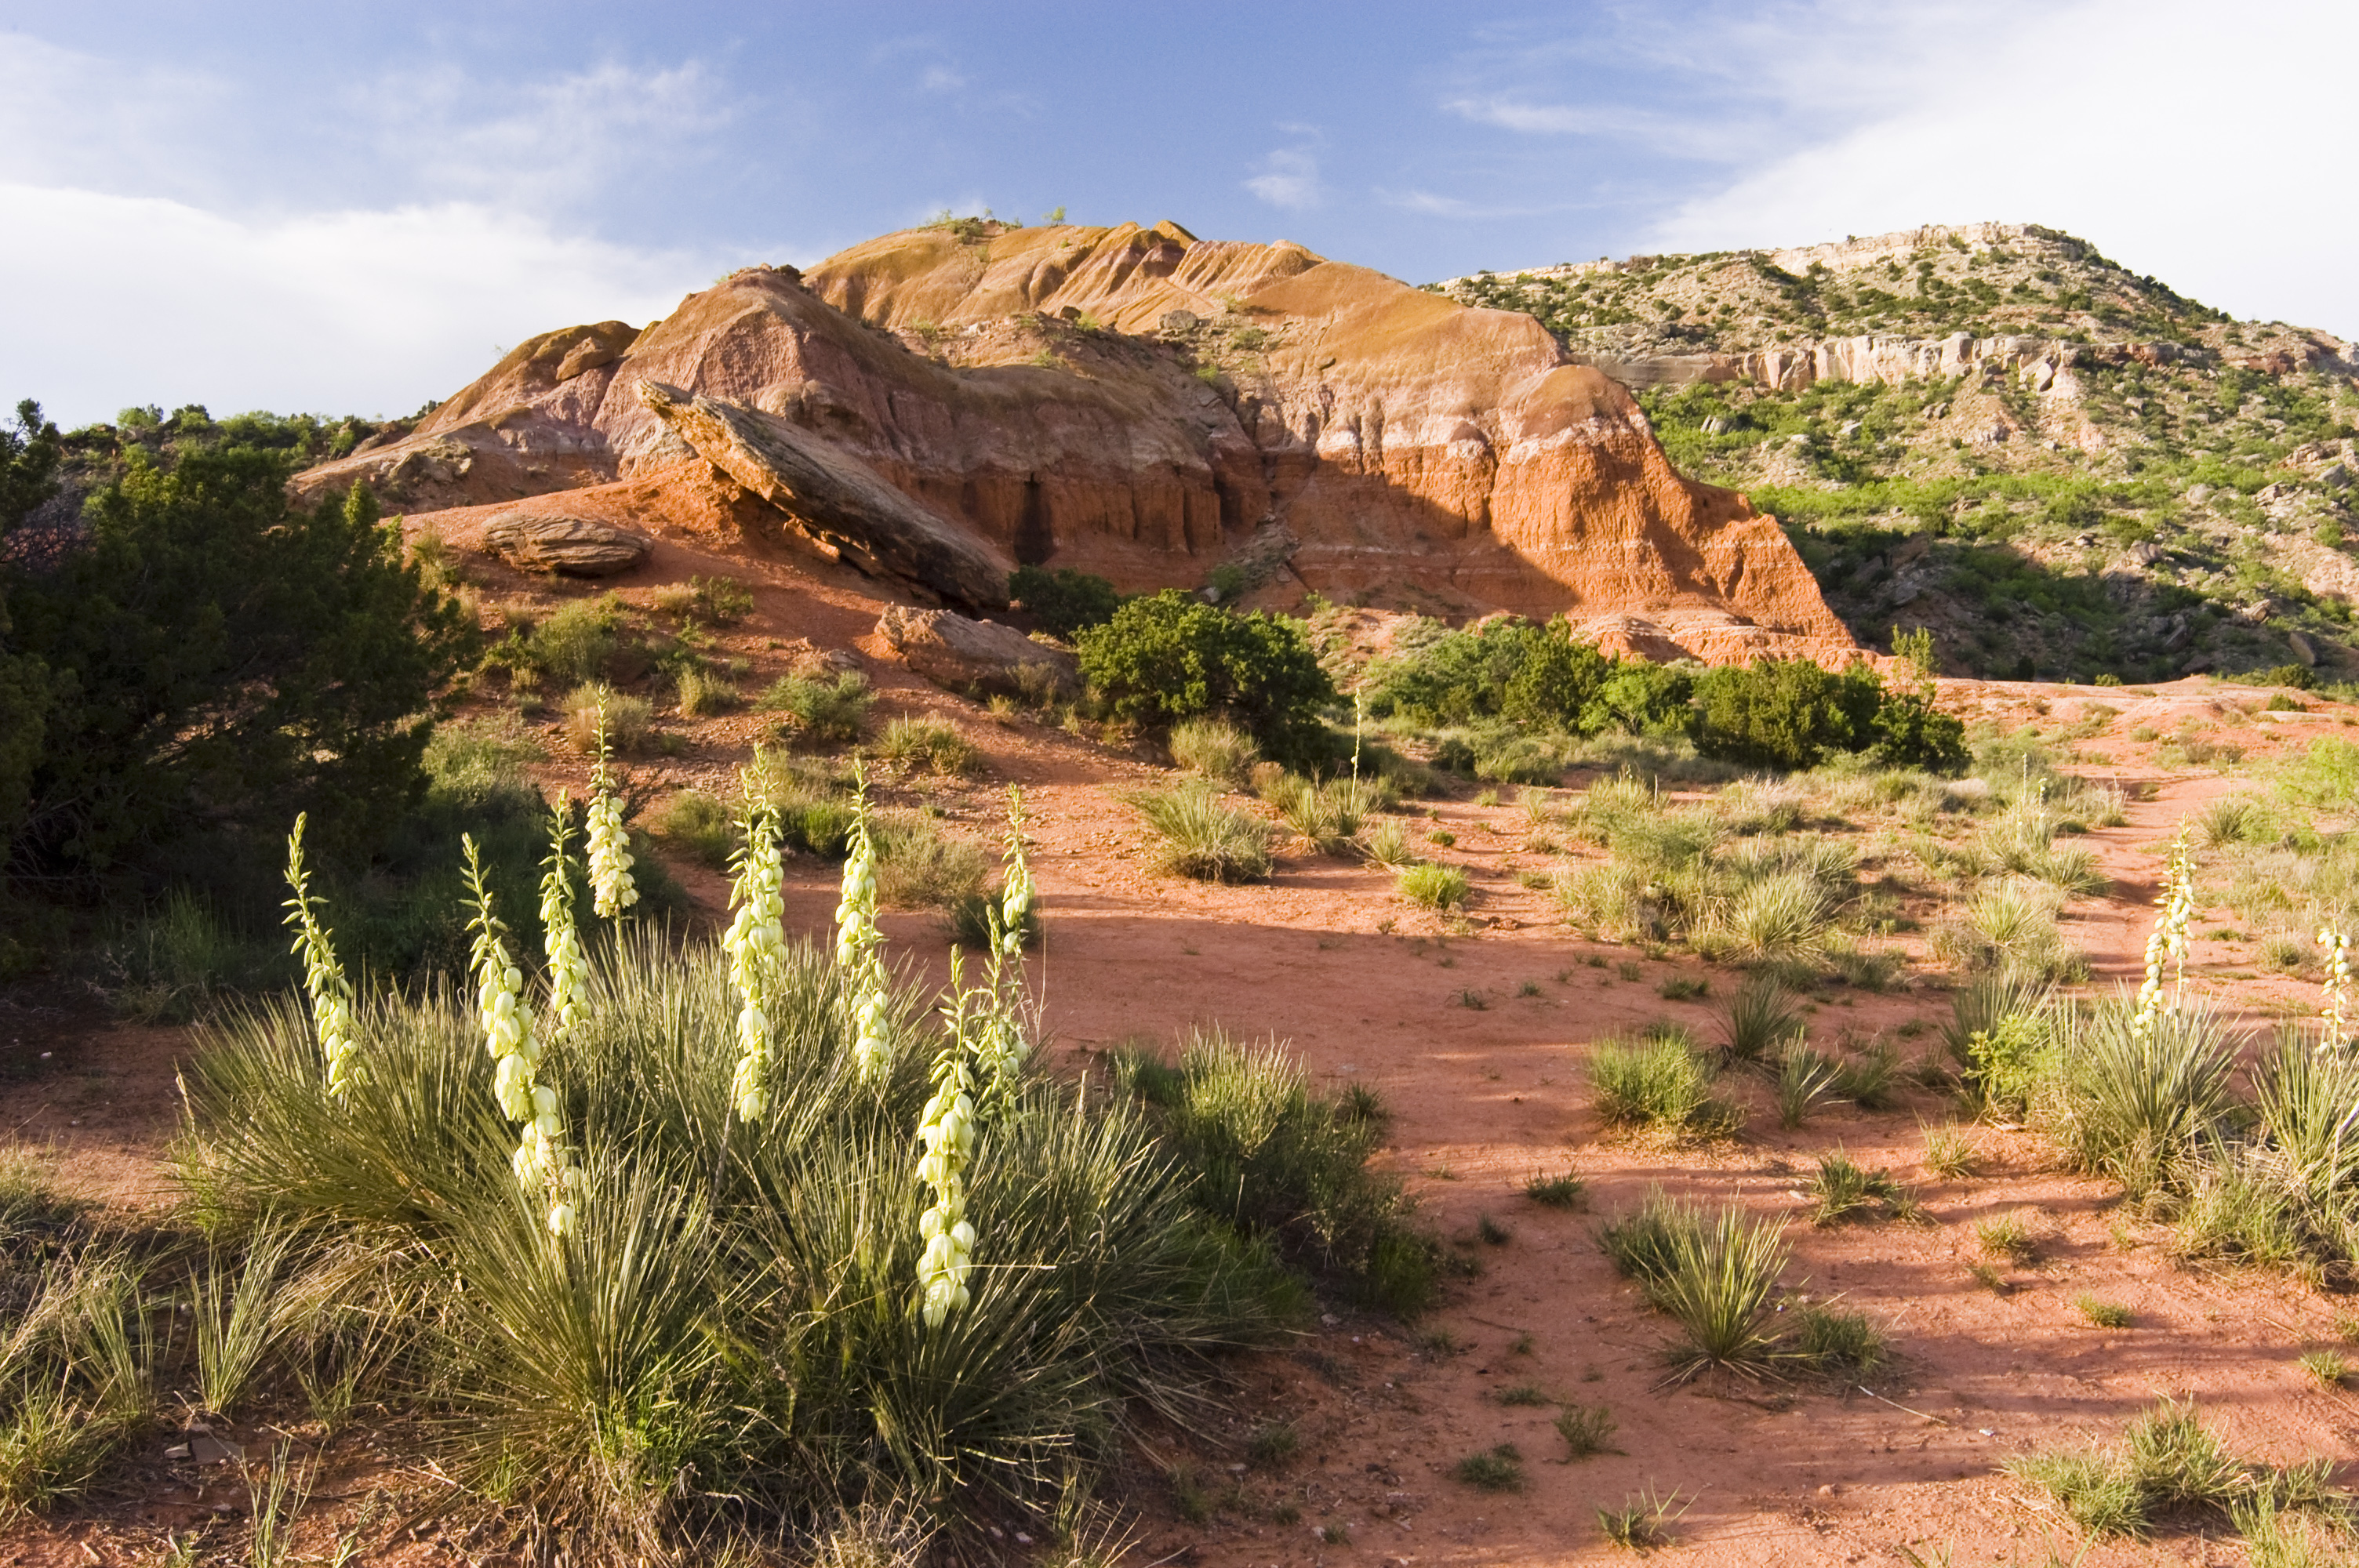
point(1288, 178)
point(1719, 140)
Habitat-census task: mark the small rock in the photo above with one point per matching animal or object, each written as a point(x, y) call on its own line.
point(2335, 476)
point(2145, 553)
point(966, 656)
point(1849, 427)
point(1180, 321)
point(2197, 494)
point(1715, 426)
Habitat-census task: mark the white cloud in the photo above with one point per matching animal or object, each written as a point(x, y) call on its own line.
point(940, 79)
point(2188, 140)
point(107, 300)
point(1682, 135)
point(1289, 179)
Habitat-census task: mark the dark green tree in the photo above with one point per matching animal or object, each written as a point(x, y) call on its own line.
point(1169, 656)
point(214, 659)
point(1786, 713)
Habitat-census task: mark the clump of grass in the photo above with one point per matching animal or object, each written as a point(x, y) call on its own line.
point(1949, 1154)
point(1273, 1444)
point(2143, 1100)
point(1524, 1394)
point(2008, 1236)
point(1845, 1192)
point(1658, 1084)
point(1760, 1018)
point(1203, 837)
point(1839, 1344)
point(2102, 1315)
point(1433, 886)
point(1567, 1191)
point(1683, 988)
point(1499, 1469)
point(1213, 749)
point(1642, 1523)
point(2096, 1492)
point(1491, 1232)
point(827, 708)
point(2328, 1369)
point(1869, 1079)
point(699, 825)
point(1806, 1078)
point(1326, 815)
point(917, 868)
point(704, 693)
point(917, 741)
point(1389, 845)
point(1587, 1430)
point(627, 718)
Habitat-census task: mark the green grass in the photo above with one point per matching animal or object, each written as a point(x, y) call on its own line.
point(2102, 1313)
point(1839, 1344)
point(1642, 1522)
point(1499, 1469)
point(698, 826)
point(1524, 1394)
point(2008, 1236)
point(827, 709)
point(1683, 988)
point(1204, 838)
point(1433, 886)
point(1659, 1085)
point(1717, 1283)
point(1557, 1191)
point(1949, 1154)
point(1587, 1430)
point(915, 742)
point(2327, 1368)
point(1213, 749)
point(1841, 1192)
point(1806, 1078)
point(1760, 1018)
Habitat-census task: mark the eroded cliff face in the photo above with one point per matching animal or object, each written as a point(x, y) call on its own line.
point(1141, 403)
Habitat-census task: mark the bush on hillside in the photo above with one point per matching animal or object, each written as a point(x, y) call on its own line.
point(1065, 602)
point(1167, 657)
point(1785, 713)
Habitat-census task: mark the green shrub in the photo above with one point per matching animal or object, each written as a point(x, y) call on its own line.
point(1501, 1469)
point(1844, 1192)
point(1844, 1344)
point(721, 601)
point(1717, 1283)
point(1214, 750)
point(1587, 1430)
point(1433, 886)
point(1065, 602)
point(2143, 1102)
point(912, 741)
point(1167, 657)
point(966, 918)
point(1785, 713)
point(704, 693)
point(917, 868)
point(1203, 837)
point(828, 709)
point(580, 640)
point(1760, 1018)
point(1326, 815)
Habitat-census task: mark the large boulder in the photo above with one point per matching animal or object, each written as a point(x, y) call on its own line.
point(568, 546)
point(834, 496)
point(968, 655)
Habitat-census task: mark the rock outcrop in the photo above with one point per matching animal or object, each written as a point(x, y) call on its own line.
point(939, 403)
point(976, 655)
point(834, 497)
point(568, 546)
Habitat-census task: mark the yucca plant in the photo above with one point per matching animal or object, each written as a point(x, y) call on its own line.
point(1717, 1285)
point(2139, 1100)
point(1203, 837)
point(1760, 1018)
point(1213, 749)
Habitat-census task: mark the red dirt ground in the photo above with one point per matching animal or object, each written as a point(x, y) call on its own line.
point(1326, 957)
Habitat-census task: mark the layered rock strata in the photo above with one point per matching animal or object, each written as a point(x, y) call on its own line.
point(941, 403)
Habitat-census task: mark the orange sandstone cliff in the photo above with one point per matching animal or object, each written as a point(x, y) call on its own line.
point(1144, 404)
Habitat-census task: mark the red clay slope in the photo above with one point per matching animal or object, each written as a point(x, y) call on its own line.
point(1138, 403)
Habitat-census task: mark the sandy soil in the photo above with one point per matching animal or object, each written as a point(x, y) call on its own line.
point(1476, 1037)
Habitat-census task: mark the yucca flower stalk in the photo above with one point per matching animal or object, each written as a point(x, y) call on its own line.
point(540, 1162)
point(857, 941)
point(323, 977)
point(2337, 988)
point(610, 887)
point(2167, 944)
point(757, 945)
point(569, 967)
point(997, 1021)
point(946, 1131)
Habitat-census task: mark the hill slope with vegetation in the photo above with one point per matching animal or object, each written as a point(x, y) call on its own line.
point(2061, 467)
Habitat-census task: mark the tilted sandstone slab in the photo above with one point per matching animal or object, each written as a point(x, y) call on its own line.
point(834, 496)
point(568, 546)
point(976, 655)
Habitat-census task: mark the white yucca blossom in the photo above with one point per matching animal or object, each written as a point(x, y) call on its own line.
point(539, 1162)
point(2167, 944)
point(323, 977)
point(1000, 1040)
point(2338, 987)
point(569, 967)
point(857, 942)
point(947, 1134)
point(611, 888)
point(756, 946)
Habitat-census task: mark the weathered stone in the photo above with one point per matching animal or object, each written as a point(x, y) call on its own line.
point(569, 546)
point(1180, 321)
point(2335, 476)
point(2145, 553)
point(2303, 649)
point(834, 496)
point(970, 656)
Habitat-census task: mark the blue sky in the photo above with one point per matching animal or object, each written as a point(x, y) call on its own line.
point(356, 207)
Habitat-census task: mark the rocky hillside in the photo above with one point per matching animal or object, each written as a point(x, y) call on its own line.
point(939, 404)
point(2064, 469)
